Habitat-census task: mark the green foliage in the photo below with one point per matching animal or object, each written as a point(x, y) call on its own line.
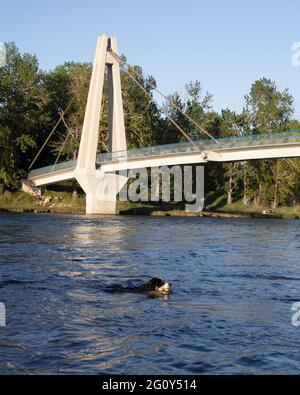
point(67, 86)
point(22, 102)
point(142, 117)
point(32, 101)
point(267, 108)
point(195, 105)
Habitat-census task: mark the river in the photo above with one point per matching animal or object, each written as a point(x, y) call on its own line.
point(235, 282)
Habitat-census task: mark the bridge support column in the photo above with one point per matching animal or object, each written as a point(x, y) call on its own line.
point(102, 188)
point(101, 191)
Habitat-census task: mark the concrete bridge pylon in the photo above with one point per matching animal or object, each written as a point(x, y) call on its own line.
point(102, 188)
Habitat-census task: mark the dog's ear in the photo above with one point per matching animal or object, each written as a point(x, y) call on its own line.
point(152, 282)
point(160, 282)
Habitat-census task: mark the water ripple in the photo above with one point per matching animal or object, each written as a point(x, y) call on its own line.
point(234, 281)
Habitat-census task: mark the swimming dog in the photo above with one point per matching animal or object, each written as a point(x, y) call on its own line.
point(155, 286)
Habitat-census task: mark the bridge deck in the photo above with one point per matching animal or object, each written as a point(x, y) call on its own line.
point(203, 145)
point(291, 137)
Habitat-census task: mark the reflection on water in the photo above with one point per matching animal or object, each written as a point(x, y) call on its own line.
point(63, 279)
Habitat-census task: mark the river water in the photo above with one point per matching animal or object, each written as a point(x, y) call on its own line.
point(235, 282)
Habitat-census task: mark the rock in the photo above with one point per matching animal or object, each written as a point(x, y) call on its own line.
point(31, 189)
point(47, 199)
point(268, 212)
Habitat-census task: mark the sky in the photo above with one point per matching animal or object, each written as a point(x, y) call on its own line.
point(227, 45)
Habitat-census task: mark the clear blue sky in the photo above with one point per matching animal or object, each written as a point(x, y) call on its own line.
point(225, 44)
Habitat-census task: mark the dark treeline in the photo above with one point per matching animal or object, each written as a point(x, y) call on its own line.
point(31, 102)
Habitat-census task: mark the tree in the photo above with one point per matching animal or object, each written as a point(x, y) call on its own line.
point(143, 121)
point(267, 110)
point(68, 86)
point(23, 99)
point(195, 105)
point(231, 125)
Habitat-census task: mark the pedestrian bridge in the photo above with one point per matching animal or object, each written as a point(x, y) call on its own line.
point(229, 149)
point(98, 172)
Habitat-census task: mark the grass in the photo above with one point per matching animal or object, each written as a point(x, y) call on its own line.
point(216, 206)
point(219, 205)
point(59, 201)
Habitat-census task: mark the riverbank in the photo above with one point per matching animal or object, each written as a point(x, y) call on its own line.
point(65, 203)
point(51, 202)
point(233, 211)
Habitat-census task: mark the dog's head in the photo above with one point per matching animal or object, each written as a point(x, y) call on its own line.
point(160, 286)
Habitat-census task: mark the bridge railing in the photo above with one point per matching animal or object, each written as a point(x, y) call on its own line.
point(136, 153)
point(289, 137)
point(68, 165)
point(202, 145)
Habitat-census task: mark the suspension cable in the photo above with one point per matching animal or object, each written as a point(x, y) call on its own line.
point(64, 143)
point(159, 106)
point(50, 134)
point(152, 86)
point(125, 66)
